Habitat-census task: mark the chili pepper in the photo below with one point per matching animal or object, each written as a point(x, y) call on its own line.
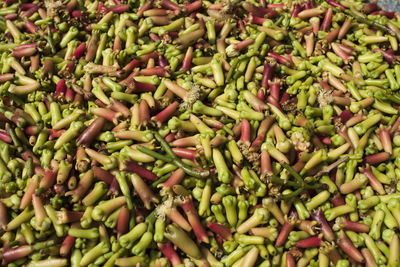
point(213, 66)
point(180, 239)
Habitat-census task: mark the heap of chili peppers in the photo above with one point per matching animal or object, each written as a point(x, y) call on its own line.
point(198, 133)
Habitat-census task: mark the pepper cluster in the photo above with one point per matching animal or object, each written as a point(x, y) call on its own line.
point(226, 133)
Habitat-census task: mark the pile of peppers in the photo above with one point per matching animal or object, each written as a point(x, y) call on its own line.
point(199, 133)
